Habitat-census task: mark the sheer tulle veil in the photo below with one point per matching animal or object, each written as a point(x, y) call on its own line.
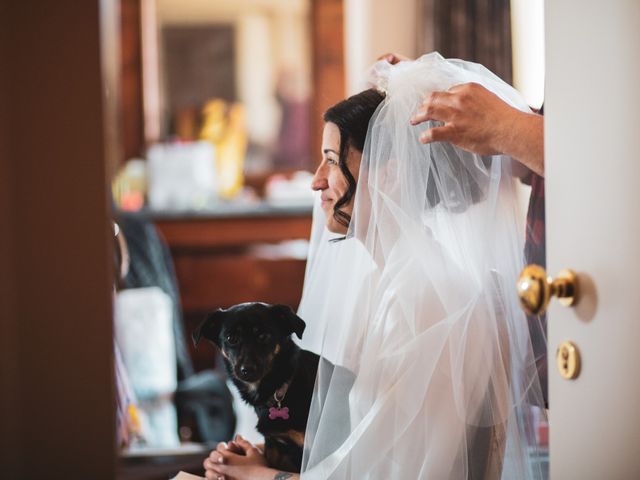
point(426, 364)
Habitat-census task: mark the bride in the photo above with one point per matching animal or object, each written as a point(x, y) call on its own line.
point(427, 369)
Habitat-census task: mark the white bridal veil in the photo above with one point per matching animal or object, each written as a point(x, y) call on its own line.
point(427, 370)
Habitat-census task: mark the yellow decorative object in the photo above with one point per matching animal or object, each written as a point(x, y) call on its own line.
point(224, 126)
point(135, 425)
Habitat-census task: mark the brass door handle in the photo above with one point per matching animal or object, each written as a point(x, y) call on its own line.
point(535, 289)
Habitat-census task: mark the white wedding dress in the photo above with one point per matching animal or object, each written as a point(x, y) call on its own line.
point(427, 370)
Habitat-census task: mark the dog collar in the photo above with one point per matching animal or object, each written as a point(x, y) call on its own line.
point(280, 393)
point(279, 411)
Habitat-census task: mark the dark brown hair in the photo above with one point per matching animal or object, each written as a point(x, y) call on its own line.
point(352, 119)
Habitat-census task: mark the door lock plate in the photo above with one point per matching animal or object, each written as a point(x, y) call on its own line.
point(568, 360)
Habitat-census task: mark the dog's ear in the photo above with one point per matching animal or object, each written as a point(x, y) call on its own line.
point(293, 323)
point(209, 328)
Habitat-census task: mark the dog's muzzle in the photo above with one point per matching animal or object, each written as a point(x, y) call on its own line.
point(248, 373)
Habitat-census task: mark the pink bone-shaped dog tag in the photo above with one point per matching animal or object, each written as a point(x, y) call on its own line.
point(282, 413)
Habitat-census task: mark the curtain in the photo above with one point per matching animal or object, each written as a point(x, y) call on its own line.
point(474, 30)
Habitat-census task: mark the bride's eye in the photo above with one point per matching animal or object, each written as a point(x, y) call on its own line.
point(332, 161)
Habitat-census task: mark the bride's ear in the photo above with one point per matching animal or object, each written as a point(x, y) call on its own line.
point(291, 322)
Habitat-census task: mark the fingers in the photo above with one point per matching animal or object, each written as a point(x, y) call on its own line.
point(437, 106)
point(219, 465)
point(217, 471)
point(209, 475)
point(213, 470)
point(470, 88)
point(387, 56)
point(220, 447)
point(461, 87)
point(436, 134)
point(233, 446)
point(244, 444)
point(393, 58)
point(215, 459)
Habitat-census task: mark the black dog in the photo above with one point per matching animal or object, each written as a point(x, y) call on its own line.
point(271, 372)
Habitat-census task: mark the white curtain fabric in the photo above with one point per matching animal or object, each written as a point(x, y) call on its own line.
point(426, 369)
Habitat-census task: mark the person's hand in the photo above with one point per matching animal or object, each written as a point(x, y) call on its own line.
point(237, 460)
point(393, 58)
point(475, 119)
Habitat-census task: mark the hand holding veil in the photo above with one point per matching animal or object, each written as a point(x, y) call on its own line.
point(427, 369)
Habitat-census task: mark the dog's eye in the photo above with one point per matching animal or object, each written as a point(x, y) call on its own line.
point(232, 340)
point(264, 338)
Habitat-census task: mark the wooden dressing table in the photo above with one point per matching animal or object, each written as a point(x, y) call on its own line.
point(235, 254)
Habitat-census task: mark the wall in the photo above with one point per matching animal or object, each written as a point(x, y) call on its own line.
point(527, 40)
point(375, 27)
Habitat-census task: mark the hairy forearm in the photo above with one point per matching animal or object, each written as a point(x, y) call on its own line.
point(523, 139)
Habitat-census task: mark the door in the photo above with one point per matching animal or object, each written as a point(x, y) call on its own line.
point(592, 155)
point(57, 400)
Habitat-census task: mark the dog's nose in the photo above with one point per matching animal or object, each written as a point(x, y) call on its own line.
point(247, 370)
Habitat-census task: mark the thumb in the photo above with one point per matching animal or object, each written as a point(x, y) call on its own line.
point(247, 446)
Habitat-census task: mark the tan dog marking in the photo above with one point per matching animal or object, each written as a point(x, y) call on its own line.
point(296, 436)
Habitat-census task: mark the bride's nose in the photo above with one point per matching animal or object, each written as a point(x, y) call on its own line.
point(319, 181)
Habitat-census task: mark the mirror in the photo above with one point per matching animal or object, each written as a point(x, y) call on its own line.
point(244, 65)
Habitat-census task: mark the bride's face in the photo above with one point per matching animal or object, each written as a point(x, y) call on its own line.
point(330, 180)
